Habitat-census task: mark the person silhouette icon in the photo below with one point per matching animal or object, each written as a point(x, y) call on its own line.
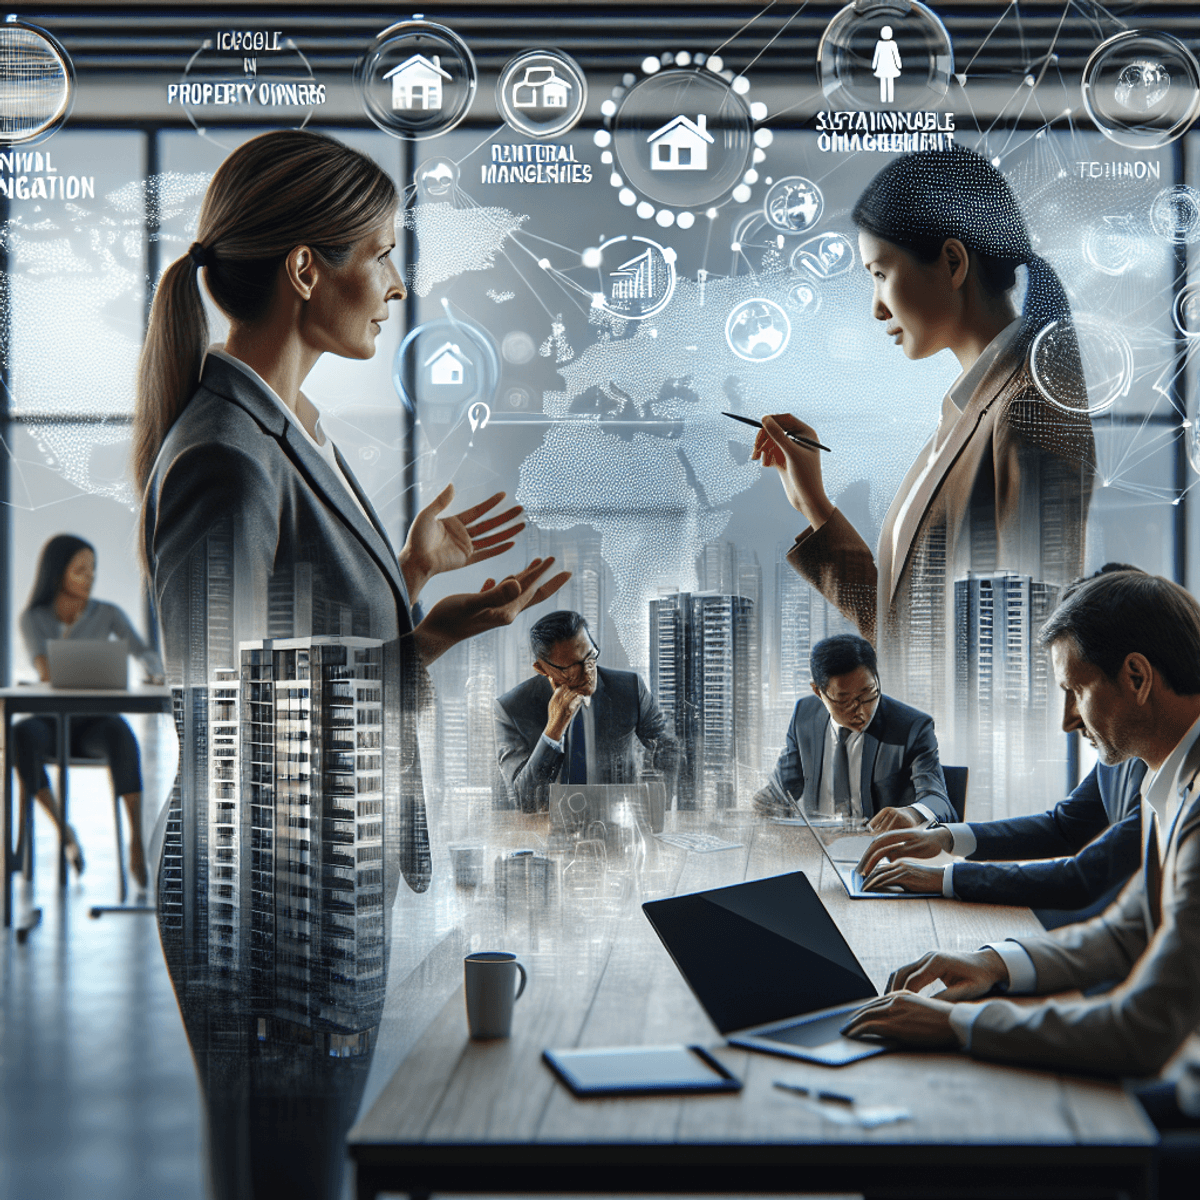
point(886, 65)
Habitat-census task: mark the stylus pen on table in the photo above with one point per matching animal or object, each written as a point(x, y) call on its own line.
point(798, 438)
point(818, 1094)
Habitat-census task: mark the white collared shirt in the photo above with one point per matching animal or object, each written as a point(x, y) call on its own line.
point(854, 751)
point(954, 404)
point(305, 416)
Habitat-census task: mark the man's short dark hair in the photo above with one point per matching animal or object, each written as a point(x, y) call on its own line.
point(1108, 567)
point(839, 654)
point(1129, 612)
point(560, 626)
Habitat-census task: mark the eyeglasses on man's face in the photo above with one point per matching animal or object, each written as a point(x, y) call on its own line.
point(851, 706)
point(582, 665)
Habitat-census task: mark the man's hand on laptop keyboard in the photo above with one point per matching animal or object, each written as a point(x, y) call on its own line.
point(904, 1017)
point(905, 843)
point(966, 976)
point(905, 877)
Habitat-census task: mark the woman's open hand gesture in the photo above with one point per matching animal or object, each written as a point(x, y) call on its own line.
point(436, 543)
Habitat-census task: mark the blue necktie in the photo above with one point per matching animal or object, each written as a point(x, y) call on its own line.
point(577, 751)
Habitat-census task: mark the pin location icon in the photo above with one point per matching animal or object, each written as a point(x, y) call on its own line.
point(479, 415)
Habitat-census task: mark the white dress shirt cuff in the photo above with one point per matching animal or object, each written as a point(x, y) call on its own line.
point(964, 840)
point(559, 746)
point(1022, 974)
point(948, 882)
point(962, 1018)
point(925, 812)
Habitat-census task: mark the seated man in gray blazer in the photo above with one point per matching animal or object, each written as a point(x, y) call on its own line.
point(854, 751)
point(574, 721)
point(1126, 651)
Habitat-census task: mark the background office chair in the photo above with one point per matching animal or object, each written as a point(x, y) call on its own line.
point(26, 839)
point(956, 788)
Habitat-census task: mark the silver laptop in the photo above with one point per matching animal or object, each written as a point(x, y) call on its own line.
point(848, 873)
point(88, 663)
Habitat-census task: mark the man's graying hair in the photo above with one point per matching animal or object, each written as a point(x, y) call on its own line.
point(1125, 612)
point(560, 626)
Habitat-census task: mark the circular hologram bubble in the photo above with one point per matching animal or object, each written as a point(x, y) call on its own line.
point(518, 348)
point(542, 93)
point(443, 367)
point(1175, 214)
point(1142, 86)
point(37, 83)
point(436, 180)
point(880, 56)
point(1107, 365)
point(637, 277)
point(1114, 245)
point(825, 256)
point(683, 137)
point(793, 205)
point(805, 299)
point(1142, 89)
point(758, 330)
point(1186, 311)
point(416, 80)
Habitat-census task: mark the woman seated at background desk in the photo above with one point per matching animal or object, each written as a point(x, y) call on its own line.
point(60, 606)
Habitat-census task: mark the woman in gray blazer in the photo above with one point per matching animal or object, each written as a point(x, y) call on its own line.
point(288, 629)
point(253, 525)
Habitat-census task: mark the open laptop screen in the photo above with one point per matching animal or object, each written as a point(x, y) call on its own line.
point(761, 951)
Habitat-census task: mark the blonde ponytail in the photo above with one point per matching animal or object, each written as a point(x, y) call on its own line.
point(169, 367)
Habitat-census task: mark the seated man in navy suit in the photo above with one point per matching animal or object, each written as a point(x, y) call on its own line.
point(574, 721)
point(853, 751)
point(1086, 847)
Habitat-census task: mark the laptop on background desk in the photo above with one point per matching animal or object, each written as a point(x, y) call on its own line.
point(769, 966)
point(848, 874)
point(87, 663)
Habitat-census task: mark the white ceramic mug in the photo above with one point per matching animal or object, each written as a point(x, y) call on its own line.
point(489, 977)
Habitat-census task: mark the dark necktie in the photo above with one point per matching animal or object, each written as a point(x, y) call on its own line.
point(1153, 869)
point(841, 773)
point(577, 751)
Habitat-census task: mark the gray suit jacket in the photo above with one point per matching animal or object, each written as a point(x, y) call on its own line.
point(250, 534)
point(1149, 938)
point(899, 760)
point(623, 709)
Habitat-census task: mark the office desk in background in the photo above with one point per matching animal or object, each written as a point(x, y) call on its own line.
point(489, 1117)
point(64, 703)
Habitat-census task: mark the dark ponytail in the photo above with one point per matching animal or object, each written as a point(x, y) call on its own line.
point(918, 201)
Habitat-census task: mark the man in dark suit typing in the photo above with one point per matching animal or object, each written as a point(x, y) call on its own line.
point(852, 750)
point(574, 721)
point(1085, 848)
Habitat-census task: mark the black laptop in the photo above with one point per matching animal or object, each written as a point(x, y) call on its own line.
point(769, 965)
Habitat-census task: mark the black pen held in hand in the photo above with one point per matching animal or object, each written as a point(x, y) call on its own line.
point(798, 438)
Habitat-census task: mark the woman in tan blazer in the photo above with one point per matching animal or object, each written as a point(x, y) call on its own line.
point(1004, 483)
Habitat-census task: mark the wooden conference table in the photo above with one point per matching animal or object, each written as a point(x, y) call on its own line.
point(64, 703)
point(462, 1116)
